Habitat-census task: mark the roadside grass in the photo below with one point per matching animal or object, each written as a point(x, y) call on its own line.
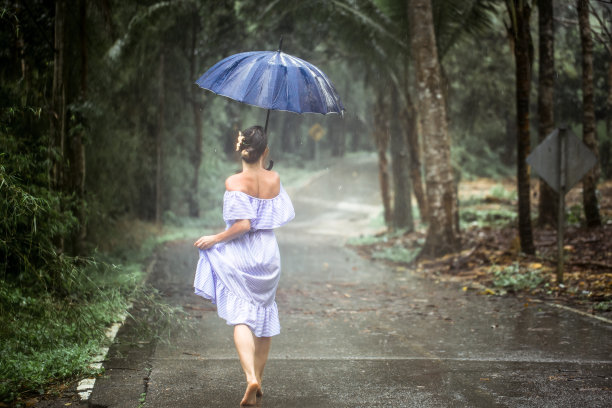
point(47, 339)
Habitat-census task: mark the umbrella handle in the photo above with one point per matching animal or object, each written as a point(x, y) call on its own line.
point(267, 119)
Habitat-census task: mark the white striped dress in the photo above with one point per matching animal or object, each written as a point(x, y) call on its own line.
point(240, 276)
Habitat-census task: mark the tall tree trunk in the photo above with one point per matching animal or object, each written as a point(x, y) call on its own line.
point(58, 97)
point(381, 138)
point(77, 148)
point(549, 201)
point(196, 153)
point(400, 166)
point(607, 149)
point(409, 116)
point(57, 139)
point(520, 14)
point(159, 140)
point(442, 233)
point(589, 182)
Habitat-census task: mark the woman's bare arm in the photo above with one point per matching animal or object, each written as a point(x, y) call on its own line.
point(237, 229)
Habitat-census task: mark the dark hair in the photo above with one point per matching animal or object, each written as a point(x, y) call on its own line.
point(253, 144)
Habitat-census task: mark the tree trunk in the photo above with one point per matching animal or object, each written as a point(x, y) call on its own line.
point(548, 200)
point(589, 182)
point(381, 138)
point(523, 53)
point(77, 148)
point(442, 233)
point(158, 141)
point(400, 166)
point(409, 116)
point(58, 97)
point(606, 150)
point(196, 154)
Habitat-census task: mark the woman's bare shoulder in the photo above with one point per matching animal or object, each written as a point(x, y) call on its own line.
point(235, 182)
point(273, 176)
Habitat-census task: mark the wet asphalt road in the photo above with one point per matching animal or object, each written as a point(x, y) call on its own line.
point(357, 333)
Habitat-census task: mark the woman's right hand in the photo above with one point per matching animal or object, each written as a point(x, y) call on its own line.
point(206, 241)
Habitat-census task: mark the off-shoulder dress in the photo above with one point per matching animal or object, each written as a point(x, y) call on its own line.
point(241, 276)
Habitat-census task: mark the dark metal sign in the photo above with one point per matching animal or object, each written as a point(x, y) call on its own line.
point(545, 159)
point(561, 160)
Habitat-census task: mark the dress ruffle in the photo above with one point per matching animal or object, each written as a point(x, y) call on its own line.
point(262, 320)
point(264, 213)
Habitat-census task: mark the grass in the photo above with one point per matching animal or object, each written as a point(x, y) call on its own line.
point(46, 339)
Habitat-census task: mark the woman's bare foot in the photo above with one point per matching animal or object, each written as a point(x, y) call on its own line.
point(250, 395)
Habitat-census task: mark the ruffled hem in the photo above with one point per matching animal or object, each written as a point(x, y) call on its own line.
point(262, 320)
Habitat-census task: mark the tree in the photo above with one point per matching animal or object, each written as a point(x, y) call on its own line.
point(58, 97)
point(589, 182)
point(442, 233)
point(381, 138)
point(548, 200)
point(519, 12)
point(196, 155)
point(400, 163)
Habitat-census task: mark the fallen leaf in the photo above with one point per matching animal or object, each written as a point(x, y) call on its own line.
point(535, 265)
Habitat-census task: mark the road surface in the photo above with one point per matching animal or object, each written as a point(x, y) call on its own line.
point(357, 333)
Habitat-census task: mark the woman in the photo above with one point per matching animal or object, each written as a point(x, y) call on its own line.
point(239, 268)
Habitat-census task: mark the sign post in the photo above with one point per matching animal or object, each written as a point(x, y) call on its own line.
point(561, 160)
point(561, 214)
point(316, 132)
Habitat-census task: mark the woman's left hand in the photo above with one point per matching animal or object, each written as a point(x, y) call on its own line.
point(206, 241)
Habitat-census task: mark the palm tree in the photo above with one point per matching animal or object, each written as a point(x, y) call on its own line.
point(548, 199)
point(442, 234)
point(518, 28)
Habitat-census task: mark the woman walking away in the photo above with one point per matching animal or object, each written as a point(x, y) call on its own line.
point(239, 268)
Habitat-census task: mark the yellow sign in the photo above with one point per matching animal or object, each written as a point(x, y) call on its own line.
point(316, 132)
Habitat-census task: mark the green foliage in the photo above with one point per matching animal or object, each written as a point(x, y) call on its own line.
point(483, 217)
point(31, 219)
point(515, 278)
point(45, 338)
point(396, 254)
point(498, 191)
point(605, 306)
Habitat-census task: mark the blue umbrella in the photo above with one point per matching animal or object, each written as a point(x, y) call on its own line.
point(273, 80)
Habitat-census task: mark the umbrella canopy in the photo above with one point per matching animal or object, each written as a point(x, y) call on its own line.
point(273, 80)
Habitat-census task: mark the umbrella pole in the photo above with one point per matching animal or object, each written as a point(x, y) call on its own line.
point(267, 118)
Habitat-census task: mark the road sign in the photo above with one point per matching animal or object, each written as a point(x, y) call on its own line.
point(578, 158)
point(561, 160)
point(317, 132)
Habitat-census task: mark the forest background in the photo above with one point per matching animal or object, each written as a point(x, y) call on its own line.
point(107, 147)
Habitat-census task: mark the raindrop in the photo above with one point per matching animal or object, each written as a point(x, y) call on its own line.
point(340, 187)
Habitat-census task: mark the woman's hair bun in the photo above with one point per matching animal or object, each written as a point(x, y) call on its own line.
point(251, 143)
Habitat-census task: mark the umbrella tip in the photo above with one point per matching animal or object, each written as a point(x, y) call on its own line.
point(280, 44)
